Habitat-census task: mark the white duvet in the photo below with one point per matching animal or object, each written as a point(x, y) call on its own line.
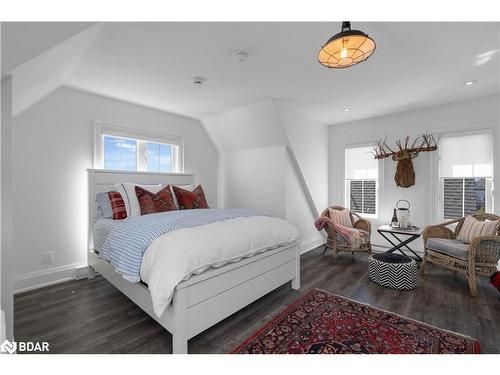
point(175, 256)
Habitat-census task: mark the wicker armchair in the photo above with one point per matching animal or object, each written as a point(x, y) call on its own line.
point(479, 258)
point(338, 243)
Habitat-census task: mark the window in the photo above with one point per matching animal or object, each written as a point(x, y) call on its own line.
point(128, 150)
point(120, 153)
point(361, 177)
point(466, 175)
point(159, 157)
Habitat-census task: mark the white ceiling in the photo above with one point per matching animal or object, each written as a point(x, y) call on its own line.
point(415, 65)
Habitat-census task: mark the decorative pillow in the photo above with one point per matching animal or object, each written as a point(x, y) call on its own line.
point(103, 206)
point(472, 228)
point(151, 203)
point(185, 187)
point(127, 190)
point(190, 199)
point(117, 205)
point(341, 217)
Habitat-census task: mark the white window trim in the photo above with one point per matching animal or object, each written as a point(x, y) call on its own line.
point(438, 185)
point(102, 128)
point(379, 179)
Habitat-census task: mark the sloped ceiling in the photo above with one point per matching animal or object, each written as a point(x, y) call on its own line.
point(21, 41)
point(256, 125)
point(415, 65)
point(42, 74)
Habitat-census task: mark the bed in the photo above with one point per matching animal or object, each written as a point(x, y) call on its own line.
point(203, 299)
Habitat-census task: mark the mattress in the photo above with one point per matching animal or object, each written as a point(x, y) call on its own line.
point(102, 228)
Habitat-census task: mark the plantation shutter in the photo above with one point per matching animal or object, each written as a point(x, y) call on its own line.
point(453, 197)
point(363, 195)
point(463, 196)
point(369, 197)
point(356, 201)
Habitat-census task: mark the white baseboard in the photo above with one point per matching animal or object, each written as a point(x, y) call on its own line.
point(310, 244)
point(50, 276)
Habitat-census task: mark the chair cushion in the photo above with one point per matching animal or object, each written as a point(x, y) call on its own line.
point(472, 228)
point(339, 237)
point(342, 217)
point(454, 248)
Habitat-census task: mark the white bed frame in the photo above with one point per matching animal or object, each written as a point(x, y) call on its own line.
point(204, 299)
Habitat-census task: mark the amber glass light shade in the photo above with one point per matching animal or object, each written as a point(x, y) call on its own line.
point(347, 48)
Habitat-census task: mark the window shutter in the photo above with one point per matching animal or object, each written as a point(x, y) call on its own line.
point(369, 197)
point(464, 196)
point(474, 195)
point(453, 197)
point(356, 199)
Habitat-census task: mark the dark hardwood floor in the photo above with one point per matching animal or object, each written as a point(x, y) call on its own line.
point(91, 316)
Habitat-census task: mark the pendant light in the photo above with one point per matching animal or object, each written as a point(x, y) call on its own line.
point(347, 48)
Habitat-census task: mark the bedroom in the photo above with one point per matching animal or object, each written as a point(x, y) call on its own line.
point(238, 150)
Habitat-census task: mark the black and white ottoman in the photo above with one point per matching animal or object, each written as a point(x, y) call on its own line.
point(393, 270)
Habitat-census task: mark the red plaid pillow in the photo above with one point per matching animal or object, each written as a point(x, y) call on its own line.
point(117, 205)
point(151, 203)
point(190, 199)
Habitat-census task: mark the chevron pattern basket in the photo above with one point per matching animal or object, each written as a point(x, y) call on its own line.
point(393, 270)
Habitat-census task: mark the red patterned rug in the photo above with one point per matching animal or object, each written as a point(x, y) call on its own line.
point(321, 322)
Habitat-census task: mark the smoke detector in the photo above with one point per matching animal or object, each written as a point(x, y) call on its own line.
point(198, 81)
point(241, 57)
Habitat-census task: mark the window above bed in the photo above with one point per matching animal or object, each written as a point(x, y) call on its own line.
point(125, 149)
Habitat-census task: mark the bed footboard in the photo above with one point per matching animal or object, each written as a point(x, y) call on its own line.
point(205, 299)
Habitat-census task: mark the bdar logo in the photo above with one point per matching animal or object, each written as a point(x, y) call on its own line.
point(8, 347)
point(24, 346)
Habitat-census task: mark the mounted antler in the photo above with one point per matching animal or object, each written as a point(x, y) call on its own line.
point(405, 174)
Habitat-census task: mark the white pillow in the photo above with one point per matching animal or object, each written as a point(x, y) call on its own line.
point(185, 187)
point(127, 190)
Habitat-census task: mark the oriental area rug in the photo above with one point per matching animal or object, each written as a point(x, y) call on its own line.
point(324, 323)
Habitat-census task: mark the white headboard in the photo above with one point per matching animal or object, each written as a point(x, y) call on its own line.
point(101, 180)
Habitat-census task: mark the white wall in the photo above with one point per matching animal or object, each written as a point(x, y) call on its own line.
point(298, 210)
point(308, 139)
point(275, 159)
point(53, 146)
point(462, 116)
point(256, 179)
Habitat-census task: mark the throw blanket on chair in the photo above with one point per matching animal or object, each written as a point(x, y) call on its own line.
point(354, 237)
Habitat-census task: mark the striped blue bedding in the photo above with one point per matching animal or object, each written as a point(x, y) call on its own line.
point(127, 242)
point(102, 229)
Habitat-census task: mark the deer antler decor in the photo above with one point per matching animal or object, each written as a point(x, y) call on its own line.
point(406, 151)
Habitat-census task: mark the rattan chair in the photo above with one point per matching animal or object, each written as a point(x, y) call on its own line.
point(480, 256)
point(336, 242)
